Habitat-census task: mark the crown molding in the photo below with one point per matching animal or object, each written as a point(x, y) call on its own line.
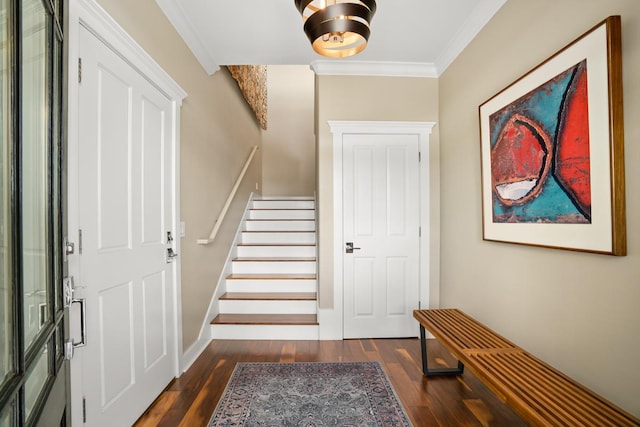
point(181, 23)
point(482, 14)
point(373, 68)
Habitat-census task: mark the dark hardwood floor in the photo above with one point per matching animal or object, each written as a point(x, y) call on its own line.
point(443, 401)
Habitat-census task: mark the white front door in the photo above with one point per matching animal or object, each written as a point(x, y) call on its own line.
point(125, 197)
point(381, 220)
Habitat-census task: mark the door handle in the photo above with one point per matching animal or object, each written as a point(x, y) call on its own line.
point(170, 255)
point(68, 290)
point(349, 249)
point(83, 322)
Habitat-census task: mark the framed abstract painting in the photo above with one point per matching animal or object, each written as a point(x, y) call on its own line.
point(552, 150)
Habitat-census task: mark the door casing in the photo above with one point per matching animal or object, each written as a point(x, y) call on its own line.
point(90, 15)
point(331, 320)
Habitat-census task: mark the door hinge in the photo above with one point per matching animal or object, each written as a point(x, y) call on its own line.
point(420, 231)
point(80, 242)
point(79, 70)
point(419, 156)
point(84, 410)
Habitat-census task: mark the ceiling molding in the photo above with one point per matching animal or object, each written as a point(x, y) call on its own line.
point(181, 23)
point(483, 12)
point(370, 68)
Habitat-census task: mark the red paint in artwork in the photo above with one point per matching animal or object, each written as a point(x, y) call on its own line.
point(572, 157)
point(520, 154)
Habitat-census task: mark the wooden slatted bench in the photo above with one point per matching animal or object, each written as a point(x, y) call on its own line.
point(537, 392)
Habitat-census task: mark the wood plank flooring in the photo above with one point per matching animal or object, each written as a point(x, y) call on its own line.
point(444, 401)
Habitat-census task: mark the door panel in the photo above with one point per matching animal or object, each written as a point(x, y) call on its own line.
point(153, 188)
point(125, 212)
point(116, 359)
point(113, 162)
point(381, 216)
point(154, 304)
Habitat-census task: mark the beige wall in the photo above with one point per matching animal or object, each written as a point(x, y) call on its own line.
point(369, 98)
point(288, 144)
point(217, 133)
point(578, 311)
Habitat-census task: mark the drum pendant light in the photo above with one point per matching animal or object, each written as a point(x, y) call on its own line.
point(337, 28)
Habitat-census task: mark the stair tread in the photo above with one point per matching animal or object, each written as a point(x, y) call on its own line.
point(270, 296)
point(275, 259)
point(279, 219)
point(278, 244)
point(279, 231)
point(271, 276)
point(286, 199)
point(265, 319)
point(282, 209)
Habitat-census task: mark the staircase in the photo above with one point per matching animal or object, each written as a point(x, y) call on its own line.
point(271, 292)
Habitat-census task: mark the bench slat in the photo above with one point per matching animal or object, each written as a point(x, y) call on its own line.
point(592, 407)
point(539, 393)
point(546, 397)
point(561, 390)
point(526, 405)
point(461, 329)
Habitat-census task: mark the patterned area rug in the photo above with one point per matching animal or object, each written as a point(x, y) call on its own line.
point(309, 395)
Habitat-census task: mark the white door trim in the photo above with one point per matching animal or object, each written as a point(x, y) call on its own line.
point(331, 320)
point(90, 15)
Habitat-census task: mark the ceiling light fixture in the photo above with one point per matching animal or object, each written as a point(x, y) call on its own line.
point(338, 29)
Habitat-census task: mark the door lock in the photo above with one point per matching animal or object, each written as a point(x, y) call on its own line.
point(170, 253)
point(349, 249)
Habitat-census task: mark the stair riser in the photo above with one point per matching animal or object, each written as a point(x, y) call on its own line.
point(290, 238)
point(276, 251)
point(283, 204)
point(267, 307)
point(250, 285)
point(282, 214)
point(280, 225)
point(265, 332)
point(280, 267)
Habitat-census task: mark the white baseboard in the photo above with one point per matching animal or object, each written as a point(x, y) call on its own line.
point(194, 351)
point(330, 322)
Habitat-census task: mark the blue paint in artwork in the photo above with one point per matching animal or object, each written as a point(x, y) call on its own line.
point(542, 105)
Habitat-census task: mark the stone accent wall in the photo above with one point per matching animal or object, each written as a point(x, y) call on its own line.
point(252, 80)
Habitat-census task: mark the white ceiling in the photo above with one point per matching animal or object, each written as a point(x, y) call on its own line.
point(269, 32)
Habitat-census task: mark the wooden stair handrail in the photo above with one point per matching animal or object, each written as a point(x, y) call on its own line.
point(227, 204)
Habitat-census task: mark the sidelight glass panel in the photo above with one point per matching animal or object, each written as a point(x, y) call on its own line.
point(7, 415)
point(34, 159)
point(56, 168)
point(35, 381)
point(6, 295)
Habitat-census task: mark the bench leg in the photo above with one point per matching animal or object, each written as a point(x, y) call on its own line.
point(435, 372)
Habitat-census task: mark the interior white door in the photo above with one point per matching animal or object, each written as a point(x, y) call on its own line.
point(125, 198)
point(381, 219)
